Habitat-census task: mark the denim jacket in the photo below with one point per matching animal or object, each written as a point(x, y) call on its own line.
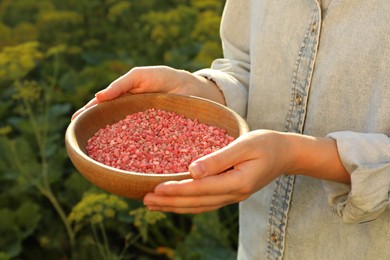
point(320, 68)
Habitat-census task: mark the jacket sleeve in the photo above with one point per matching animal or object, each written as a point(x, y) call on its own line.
point(231, 73)
point(367, 158)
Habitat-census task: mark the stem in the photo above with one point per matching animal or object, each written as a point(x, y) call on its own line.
point(146, 249)
point(127, 245)
point(105, 240)
point(230, 215)
point(34, 124)
point(45, 191)
point(48, 193)
point(157, 238)
point(41, 139)
point(175, 229)
point(47, 101)
point(97, 240)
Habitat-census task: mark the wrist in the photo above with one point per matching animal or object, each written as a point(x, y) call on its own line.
point(314, 156)
point(209, 89)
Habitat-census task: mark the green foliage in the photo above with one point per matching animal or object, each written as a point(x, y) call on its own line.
point(17, 225)
point(208, 239)
point(4, 256)
point(95, 208)
point(182, 35)
point(17, 61)
point(54, 55)
point(143, 218)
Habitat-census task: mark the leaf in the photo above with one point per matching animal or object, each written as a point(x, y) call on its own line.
point(76, 185)
point(11, 241)
point(208, 239)
point(5, 107)
point(11, 237)
point(143, 218)
point(4, 256)
point(22, 160)
point(58, 110)
point(7, 218)
point(27, 218)
point(17, 61)
point(117, 10)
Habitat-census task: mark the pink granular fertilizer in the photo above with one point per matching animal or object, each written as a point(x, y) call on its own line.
point(155, 141)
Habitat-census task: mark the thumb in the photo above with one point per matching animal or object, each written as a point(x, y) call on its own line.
point(217, 162)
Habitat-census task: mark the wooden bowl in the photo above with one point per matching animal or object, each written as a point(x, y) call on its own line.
point(131, 184)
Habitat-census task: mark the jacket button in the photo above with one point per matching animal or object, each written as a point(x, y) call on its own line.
point(274, 237)
point(313, 27)
point(298, 99)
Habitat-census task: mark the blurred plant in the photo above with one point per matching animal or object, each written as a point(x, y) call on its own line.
point(185, 36)
point(34, 125)
point(96, 209)
point(4, 256)
point(93, 210)
point(17, 61)
point(54, 54)
point(207, 239)
point(16, 226)
point(143, 218)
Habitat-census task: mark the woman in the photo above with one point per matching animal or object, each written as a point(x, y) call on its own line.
point(312, 79)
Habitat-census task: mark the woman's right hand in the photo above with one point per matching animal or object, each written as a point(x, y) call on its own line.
point(161, 79)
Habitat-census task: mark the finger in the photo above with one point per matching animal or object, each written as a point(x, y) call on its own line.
point(117, 88)
point(219, 161)
point(226, 183)
point(91, 103)
point(188, 210)
point(213, 201)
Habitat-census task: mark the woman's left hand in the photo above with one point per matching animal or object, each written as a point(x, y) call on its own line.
point(235, 172)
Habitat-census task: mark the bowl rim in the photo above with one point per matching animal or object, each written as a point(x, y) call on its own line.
point(71, 138)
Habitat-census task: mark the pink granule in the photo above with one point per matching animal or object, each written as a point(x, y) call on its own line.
point(155, 141)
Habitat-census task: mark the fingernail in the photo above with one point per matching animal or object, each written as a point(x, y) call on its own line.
point(197, 169)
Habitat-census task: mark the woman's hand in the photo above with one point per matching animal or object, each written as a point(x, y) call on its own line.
point(161, 79)
point(257, 158)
